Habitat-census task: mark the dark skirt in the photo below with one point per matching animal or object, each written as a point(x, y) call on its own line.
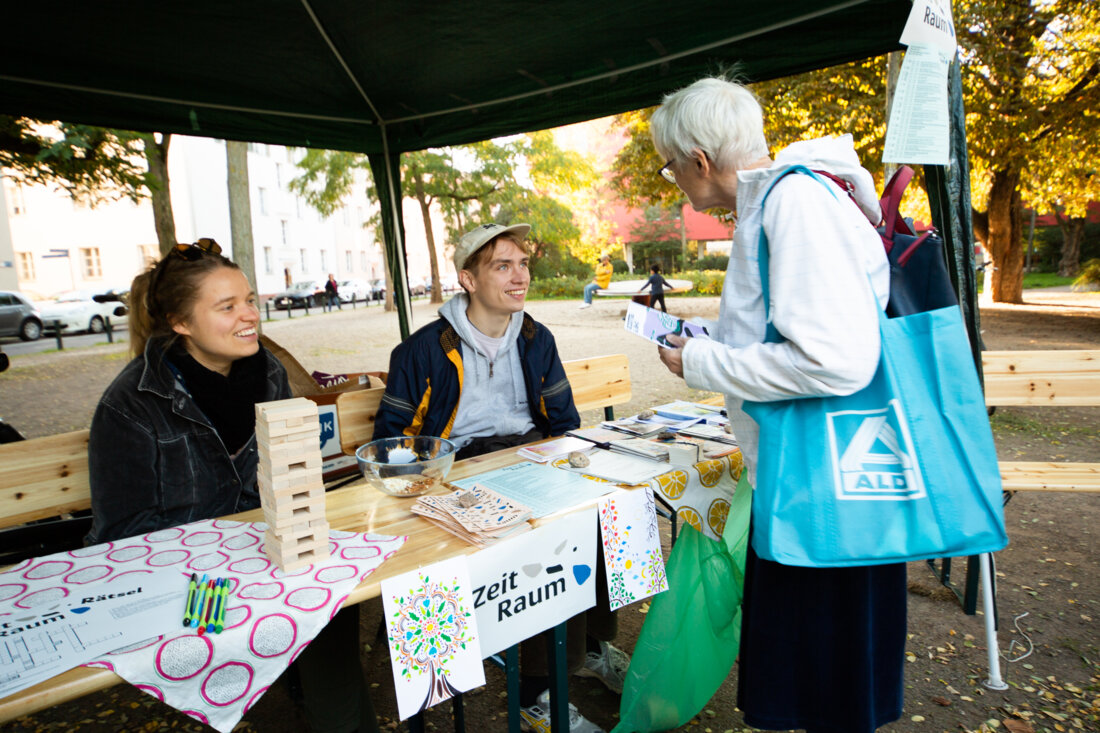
point(822, 648)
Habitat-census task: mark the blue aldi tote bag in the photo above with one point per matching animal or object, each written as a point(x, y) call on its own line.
point(904, 469)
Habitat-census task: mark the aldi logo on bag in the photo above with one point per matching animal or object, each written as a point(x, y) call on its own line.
point(873, 456)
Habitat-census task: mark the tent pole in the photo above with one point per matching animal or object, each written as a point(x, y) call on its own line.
point(395, 245)
point(993, 650)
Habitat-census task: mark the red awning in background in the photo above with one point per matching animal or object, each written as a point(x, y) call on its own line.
point(700, 227)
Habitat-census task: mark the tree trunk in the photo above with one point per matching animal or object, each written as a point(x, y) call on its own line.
point(156, 156)
point(683, 236)
point(429, 234)
point(1073, 232)
point(1006, 236)
point(240, 209)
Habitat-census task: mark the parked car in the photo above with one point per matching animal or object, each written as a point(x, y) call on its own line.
point(86, 310)
point(354, 288)
point(300, 295)
point(19, 316)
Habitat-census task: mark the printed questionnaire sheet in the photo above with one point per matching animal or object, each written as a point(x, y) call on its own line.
point(38, 643)
point(546, 490)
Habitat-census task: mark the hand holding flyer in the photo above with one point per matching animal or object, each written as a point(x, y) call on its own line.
point(655, 325)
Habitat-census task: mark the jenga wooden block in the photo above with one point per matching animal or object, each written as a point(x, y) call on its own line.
point(278, 469)
point(280, 432)
point(300, 476)
point(293, 555)
point(307, 532)
point(295, 407)
point(286, 520)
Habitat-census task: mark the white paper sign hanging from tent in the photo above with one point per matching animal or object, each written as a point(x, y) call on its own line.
point(918, 129)
point(534, 581)
point(433, 635)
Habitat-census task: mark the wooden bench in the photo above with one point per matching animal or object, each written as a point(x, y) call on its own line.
point(1044, 378)
point(44, 479)
point(597, 382)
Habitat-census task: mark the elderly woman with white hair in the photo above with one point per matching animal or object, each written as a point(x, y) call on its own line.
point(821, 648)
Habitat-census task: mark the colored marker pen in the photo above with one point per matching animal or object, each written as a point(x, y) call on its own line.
point(206, 607)
point(190, 600)
point(219, 592)
point(198, 602)
point(220, 625)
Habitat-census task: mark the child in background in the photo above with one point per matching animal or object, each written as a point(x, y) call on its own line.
point(657, 281)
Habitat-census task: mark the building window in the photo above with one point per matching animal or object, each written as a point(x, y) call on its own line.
point(261, 200)
point(347, 261)
point(267, 260)
point(324, 264)
point(24, 266)
point(363, 260)
point(148, 254)
point(305, 262)
point(89, 263)
point(279, 175)
point(15, 199)
point(257, 148)
point(347, 217)
point(283, 227)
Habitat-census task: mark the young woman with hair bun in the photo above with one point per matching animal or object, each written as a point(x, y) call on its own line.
point(173, 440)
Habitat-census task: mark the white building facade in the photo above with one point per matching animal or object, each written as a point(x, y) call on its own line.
point(50, 244)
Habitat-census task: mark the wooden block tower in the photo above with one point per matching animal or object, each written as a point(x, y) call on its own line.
point(292, 493)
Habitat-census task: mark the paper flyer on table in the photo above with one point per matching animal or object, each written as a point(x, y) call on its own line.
point(546, 490)
point(49, 639)
point(433, 636)
point(620, 467)
point(655, 325)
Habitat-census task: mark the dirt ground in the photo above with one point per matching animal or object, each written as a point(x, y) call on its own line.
point(1048, 579)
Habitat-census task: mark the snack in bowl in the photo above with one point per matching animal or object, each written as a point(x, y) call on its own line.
point(406, 466)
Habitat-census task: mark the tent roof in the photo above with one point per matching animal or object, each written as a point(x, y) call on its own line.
point(333, 73)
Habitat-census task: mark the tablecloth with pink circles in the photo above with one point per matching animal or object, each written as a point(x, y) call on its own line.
point(270, 618)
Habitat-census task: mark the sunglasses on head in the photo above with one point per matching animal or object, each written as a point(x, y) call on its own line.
point(194, 251)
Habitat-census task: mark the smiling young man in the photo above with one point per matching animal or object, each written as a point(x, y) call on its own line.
point(485, 375)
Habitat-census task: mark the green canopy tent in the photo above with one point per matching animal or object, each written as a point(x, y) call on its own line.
point(389, 76)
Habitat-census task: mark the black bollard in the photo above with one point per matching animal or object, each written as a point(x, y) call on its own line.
point(109, 330)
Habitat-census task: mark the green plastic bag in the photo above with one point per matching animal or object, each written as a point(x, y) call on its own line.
point(692, 632)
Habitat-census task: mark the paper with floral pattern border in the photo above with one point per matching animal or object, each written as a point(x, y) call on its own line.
point(433, 636)
point(271, 616)
point(631, 546)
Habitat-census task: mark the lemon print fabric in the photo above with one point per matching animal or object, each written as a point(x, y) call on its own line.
point(717, 514)
point(737, 465)
point(687, 515)
point(673, 483)
point(710, 472)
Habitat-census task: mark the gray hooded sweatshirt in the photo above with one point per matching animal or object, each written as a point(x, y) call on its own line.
point(494, 397)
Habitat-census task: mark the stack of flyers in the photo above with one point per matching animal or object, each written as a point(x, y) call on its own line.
point(634, 426)
point(543, 452)
point(681, 410)
point(477, 515)
point(709, 432)
point(641, 447)
point(709, 448)
point(655, 325)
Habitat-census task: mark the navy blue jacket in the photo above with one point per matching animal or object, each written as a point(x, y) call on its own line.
point(155, 461)
point(425, 382)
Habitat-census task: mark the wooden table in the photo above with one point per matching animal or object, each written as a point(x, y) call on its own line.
point(355, 508)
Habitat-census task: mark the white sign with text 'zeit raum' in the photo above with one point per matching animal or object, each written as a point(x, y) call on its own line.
point(535, 581)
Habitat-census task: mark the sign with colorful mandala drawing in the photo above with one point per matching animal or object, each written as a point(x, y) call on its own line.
point(631, 546)
point(433, 635)
point(534, 581)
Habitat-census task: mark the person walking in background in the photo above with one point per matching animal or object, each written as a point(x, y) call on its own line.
point(822, 649)
point(656, 281)
point(600, 281)
point(332, 292)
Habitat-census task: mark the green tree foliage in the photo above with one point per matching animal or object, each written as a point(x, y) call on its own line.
point(90, 164)
point(518, 179)
point(1031, 90)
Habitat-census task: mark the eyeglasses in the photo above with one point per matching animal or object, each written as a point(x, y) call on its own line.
point(192, 252)
point(666, 171)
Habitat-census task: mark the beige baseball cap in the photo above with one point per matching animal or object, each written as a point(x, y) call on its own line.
point(474, 240)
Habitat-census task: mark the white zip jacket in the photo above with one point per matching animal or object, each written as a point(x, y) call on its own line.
point(822, 248)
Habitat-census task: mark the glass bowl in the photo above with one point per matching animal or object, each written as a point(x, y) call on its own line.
point(406, 466)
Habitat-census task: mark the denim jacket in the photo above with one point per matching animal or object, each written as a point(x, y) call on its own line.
point(154, 458)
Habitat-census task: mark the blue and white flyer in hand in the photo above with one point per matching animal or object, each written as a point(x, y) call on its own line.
point(655, 325)
point(40, 642)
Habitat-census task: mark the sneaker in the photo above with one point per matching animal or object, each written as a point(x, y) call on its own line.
point(607, 665)
point(582, 306)
point(537, 718)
